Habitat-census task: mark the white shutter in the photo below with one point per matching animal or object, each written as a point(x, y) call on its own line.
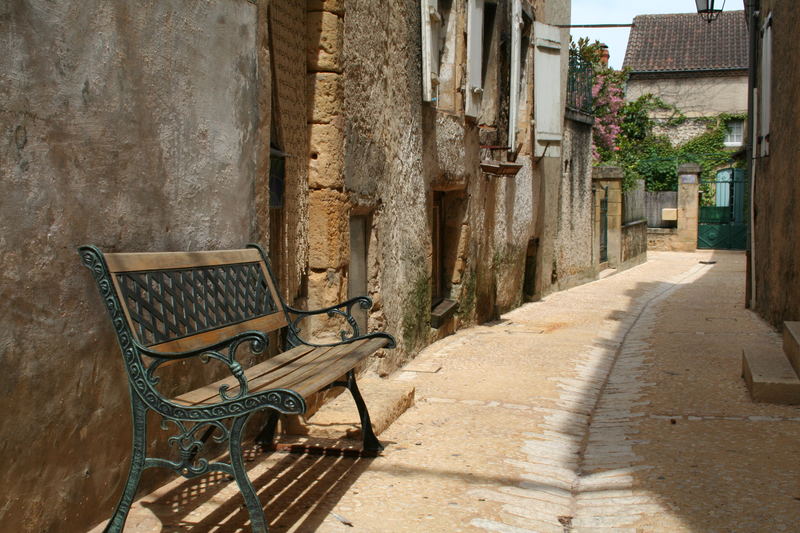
point(431, 25)
point(474, 83)
point(516, 43)
point(765, 89)
point(548, 109)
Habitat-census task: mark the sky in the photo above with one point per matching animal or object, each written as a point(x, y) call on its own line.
point(622, 12)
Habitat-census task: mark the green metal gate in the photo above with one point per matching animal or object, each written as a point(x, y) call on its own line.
point(604, 227)
point(723, 211)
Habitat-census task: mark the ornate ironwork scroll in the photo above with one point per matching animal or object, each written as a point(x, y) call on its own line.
point(344, 310)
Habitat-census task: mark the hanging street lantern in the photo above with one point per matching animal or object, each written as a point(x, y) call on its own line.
point(709, 9)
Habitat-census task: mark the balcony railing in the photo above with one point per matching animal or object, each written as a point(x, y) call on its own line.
point(579, 85)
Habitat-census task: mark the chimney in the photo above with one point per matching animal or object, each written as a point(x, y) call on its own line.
point(604, 55)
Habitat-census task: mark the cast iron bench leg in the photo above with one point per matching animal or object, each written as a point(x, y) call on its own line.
point(139, 412)
point(267, 436)
point(258, 523)
point(371, 443)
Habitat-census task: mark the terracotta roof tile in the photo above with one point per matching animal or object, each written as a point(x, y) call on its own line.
point(684, 41)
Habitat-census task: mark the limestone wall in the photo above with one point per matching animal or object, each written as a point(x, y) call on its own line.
point(133, 126)
point(401, 158)
point(695, 95)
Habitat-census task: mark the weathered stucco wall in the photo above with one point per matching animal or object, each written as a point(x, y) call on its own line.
point(695, 95)
point(383, 155)
point(130, 125)
point(572, 260)
point(775, 253)
point(398, 154)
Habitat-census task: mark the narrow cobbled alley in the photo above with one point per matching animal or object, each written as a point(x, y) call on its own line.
point(614, 406)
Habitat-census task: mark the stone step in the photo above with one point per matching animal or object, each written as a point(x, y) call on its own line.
point(791, 344)
point(769, 376)
point(338, 418)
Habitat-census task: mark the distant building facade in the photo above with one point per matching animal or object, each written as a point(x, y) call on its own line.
point(699, 68)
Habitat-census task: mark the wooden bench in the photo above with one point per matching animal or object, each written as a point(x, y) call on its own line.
point(167, 307)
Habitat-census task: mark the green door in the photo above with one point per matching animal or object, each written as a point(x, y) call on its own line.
point(723, 211)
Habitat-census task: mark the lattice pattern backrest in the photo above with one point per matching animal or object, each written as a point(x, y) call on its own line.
point(164, 305)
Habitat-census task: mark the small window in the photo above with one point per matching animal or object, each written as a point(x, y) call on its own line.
point(358, 273)
point(734, 136)
point(448, 254)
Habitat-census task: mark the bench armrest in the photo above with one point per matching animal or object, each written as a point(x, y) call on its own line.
point(258, 342)
point(223, 351)
point(343, 309)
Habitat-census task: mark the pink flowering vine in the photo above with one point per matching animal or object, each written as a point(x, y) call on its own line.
point(608, 103)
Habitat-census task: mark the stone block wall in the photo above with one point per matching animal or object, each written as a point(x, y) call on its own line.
point(678, 135)
point(328, 203)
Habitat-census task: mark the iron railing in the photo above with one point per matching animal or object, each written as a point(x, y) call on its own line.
point(579, 85)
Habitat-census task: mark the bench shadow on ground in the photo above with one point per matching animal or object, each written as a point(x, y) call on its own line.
point(297, 492)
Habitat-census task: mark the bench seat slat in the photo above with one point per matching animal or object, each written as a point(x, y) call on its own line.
point(303, 369)
point(337, 368)
point(210, 393)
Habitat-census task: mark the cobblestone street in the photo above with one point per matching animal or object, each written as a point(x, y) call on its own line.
point(614, 406)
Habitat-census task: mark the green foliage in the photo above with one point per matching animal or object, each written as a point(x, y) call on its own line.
point(644, 155)
point(623, 133)
point(468, 299)
point(416, 315)
point(588, 51)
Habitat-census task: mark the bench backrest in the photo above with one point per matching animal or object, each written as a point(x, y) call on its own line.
point(180, 301)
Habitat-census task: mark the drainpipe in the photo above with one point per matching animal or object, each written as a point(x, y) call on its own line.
point(753, 14)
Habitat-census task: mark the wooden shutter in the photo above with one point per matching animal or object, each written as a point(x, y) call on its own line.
point(765, 86)
point(474, 82)
point(548, 108)
point(516, 62)
point(431, 28)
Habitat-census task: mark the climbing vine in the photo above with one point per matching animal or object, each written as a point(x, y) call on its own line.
point(624, 132)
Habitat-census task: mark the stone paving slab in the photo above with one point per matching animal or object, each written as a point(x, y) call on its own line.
point(615, 406)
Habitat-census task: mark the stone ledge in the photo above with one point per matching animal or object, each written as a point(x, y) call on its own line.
point(791, 344)
point(385, 399)
point(769, 376)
